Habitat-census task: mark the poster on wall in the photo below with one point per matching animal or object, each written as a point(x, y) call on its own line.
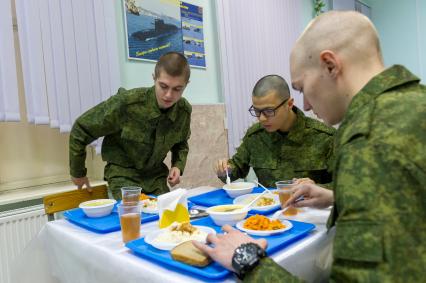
point(154, 27)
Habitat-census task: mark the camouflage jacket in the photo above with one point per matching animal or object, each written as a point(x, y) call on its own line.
point(305, 151)
point(379, 183)
point(138, 135)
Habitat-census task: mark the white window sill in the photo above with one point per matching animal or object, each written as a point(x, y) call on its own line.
point(38, 192)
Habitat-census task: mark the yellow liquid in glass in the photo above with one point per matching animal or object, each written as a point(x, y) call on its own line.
point(180, 214)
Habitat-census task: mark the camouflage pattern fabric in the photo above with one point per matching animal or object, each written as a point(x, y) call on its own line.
point(268, 271)
point(305, 151)
point(138, 136)
point(380, 181)
point(379, 184)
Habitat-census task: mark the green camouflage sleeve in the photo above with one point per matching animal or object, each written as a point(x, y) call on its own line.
point(269, 271)
point(378, 227)
point(101, 120)
point(180, 152)
point(240, 162)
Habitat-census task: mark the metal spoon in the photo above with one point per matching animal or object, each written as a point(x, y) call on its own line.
point(195, 213)
point(228, 180)
point(247, 206)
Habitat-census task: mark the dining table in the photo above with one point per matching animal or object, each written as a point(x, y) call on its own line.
point(65, 252)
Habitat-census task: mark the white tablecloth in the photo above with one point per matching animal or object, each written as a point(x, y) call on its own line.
point(64, 252)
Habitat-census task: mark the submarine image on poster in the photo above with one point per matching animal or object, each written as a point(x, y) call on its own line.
point(160, 29)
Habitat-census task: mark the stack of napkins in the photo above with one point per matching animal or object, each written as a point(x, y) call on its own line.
point(173, 207)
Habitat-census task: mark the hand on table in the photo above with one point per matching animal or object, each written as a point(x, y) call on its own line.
point(174, 176)
point(313, 196)
point(80, 182)
point(225, 245)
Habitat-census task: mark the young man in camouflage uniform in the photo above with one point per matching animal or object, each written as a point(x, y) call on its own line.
point(380, 169)
point(284, 144)
point(140, 127)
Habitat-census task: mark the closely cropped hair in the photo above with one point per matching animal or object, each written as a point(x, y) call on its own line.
point(174, 64)
point(271, 82)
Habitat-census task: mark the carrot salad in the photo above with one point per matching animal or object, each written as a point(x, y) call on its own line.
point(263, 223)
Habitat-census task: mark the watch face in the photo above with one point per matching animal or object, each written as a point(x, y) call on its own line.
point(246, 257)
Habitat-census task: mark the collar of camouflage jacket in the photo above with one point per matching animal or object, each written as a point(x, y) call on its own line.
point(357, 119)
point(296, 132)
point(152, 104)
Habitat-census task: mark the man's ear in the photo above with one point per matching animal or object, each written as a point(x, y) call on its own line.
point(153, 76)
point(331, 62)
point(290, 102)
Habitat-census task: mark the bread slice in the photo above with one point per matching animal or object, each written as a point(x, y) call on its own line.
point(187, 253)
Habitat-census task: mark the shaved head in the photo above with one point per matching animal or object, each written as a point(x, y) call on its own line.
point(333, 59)
point(348, 33)
point(269, 84)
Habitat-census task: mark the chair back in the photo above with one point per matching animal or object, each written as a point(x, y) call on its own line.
point(67, 200)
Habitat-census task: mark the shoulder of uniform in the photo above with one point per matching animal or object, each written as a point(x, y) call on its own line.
point(131, 96)
point(255, 128)
point(319, 126)
point(185, 105)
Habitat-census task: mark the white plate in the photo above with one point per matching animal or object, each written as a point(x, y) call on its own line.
point(152, 210)
point(306, 214)
point(149, 238)
point(146, 209)
point(246, 199)
point(287, 224)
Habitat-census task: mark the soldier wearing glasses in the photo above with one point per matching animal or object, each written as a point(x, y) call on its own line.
point(284, 144)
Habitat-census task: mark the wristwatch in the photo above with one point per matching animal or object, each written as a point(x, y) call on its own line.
point(246, 257)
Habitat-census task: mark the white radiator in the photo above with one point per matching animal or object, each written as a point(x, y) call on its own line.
point(17, 228)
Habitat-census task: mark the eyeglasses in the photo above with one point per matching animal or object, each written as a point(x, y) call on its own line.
point(267, 112)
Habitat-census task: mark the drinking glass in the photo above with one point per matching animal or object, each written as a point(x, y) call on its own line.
point(285, 191)
point(130, 221)
point(130, 195)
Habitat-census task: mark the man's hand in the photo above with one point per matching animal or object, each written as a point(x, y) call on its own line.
point(303, 181)
point(174, 176)
point(80, 182)
point(225, 245)
point(313, 196)
point(221, 166)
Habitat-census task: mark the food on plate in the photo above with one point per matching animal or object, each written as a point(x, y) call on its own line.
point(149, 203)
point(227, 208)
point(187, 253)
point(264, 201)
point(267, 200)
point(180, 232)
point(263, 223)
point(144, 197)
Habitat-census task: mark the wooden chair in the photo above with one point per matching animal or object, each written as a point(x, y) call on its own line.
point(67, 200)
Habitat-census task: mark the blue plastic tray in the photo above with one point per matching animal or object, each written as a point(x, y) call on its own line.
point(214, 271)
point(106, 224)
point(219, 197)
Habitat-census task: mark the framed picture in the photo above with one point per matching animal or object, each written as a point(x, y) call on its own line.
point(155, 27)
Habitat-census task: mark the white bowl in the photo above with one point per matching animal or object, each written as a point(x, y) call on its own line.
point(97, 207)
point(238, 188)
point(246, 199)
point(221, 217)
